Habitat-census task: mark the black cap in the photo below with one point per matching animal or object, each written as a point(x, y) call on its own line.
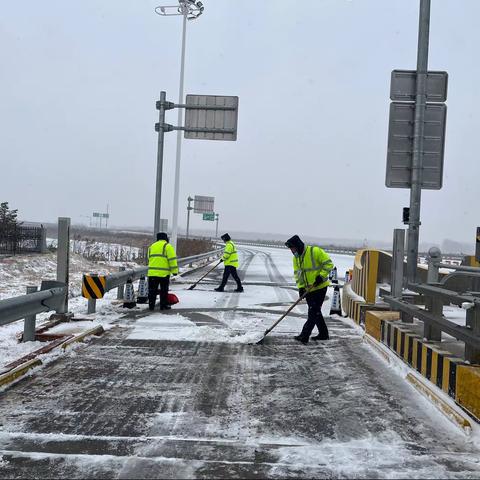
point(162, 236)
point(225, 237)
point(295, 242)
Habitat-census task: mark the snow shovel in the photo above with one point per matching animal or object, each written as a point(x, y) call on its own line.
point(198, 281)
point(268, 330)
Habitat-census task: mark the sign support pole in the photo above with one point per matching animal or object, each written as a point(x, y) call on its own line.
point(158, 186)
point(417, 162)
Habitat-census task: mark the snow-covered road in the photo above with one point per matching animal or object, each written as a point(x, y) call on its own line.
point(184, 395)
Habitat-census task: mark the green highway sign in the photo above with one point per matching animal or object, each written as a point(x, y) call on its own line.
point(209, 216)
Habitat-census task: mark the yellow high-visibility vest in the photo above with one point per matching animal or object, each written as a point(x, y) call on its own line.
point(307, 267)
point(230, 255)
point(162, 259)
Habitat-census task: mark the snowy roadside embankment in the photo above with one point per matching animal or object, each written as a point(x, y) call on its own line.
point(16, 272)
point(107, 313)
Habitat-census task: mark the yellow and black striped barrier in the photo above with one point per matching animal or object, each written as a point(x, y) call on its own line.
point(93, 286)
point(435, 364)
point(452, 374)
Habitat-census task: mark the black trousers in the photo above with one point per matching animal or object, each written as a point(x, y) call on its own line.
point(230, 270)
point(315, 301)
point(153, 283)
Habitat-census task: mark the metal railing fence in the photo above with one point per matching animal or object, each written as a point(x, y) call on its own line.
point(437, 295)
point(22, 239)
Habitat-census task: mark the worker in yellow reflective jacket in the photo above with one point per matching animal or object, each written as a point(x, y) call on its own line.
point(311, 266)
point(162, 262)
point(230, 260)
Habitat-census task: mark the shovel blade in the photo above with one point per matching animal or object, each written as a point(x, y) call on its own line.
point(191, 287)
point(262, 340)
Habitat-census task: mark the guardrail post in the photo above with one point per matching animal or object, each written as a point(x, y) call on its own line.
point(29, 323)
point(397, 276)
point(397, 262)
point(43, 241)
point(472, 354)
point(120, 289)
point(63, 257)
point(433, 304)
point(434, 258)
point(92, 303)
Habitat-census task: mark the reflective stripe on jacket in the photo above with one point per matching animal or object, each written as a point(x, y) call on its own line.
point(162, 259)
point(307, 267)
point(230, 255)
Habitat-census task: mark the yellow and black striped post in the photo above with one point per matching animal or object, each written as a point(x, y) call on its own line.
point(93, 286)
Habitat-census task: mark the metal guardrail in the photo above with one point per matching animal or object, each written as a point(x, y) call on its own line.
point(13, 309)
point(329, 249)
point(340, 249)
point(118, 279)
point(436, 296)
point(50, 297)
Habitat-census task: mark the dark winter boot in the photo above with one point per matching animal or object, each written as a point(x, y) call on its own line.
point(165, 307)
point(320, 337)
point(219, 289)
point(299, 338)
point(239, 289)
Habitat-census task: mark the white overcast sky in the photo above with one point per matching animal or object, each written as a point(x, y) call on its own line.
point(79, 81)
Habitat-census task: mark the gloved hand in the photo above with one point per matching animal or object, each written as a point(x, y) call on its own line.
point(221, 260)
point(173, 274)
point(301, 292)
point(319, 280)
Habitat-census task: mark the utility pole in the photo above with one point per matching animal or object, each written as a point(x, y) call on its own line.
point(216, 228)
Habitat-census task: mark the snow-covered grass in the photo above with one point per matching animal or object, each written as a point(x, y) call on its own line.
point(18, 271)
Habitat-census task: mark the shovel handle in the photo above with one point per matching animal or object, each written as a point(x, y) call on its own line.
point(211, 270)
point(287, 312)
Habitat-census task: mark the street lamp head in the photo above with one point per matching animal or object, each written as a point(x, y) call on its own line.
point(191, 9)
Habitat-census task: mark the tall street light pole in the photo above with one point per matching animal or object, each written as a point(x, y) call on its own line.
point(176, 192)
point(189, 10)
